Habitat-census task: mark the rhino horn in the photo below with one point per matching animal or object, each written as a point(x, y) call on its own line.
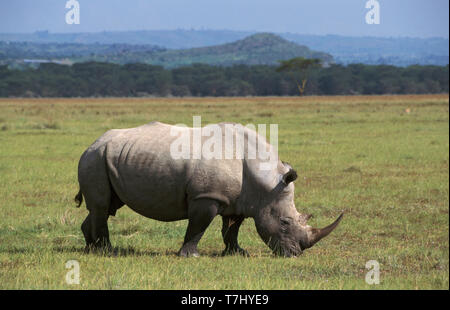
point(317, 234)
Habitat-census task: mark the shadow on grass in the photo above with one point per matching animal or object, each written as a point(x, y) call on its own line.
point(115, 251)
point(130, 251)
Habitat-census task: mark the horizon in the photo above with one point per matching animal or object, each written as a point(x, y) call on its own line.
point(251, 32)
point(398, 19)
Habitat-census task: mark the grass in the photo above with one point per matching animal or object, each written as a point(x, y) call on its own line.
point(387, 166)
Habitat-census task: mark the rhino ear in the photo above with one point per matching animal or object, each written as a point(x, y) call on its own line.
point(290, 176)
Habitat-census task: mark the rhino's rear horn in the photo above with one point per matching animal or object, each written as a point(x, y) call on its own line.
point(317, 234)
point(290, 176)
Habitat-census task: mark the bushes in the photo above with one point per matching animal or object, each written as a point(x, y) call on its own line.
point(107, 79)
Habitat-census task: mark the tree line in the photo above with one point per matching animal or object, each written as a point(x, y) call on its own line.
point(134, 80)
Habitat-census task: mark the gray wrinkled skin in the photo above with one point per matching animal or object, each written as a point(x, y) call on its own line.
point(134, 167)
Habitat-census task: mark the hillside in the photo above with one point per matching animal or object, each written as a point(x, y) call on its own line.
point(258, 49)
point(32, 50)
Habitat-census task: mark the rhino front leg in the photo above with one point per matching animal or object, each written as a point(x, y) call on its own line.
point(230, 230)
point(201, 212)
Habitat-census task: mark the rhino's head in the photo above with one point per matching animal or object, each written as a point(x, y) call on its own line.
point(279, 223)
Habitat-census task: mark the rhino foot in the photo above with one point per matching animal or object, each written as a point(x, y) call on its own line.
point(235, 251)
point(188, 252)
point(98, 249)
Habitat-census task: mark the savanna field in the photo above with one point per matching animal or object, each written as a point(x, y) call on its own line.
point(382, 159)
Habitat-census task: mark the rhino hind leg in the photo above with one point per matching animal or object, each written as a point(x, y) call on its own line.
point(86, 229)
point(230, 230)
point(201, 212)
point(100, 200)
point(100, 231)
point(95, 227)
point(96, 233)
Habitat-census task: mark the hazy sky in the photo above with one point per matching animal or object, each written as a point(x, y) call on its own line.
point(413, 18)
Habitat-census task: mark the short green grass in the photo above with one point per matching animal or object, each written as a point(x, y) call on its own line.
point(382, 159)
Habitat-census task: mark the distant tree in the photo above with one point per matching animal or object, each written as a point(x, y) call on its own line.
point(301, 65)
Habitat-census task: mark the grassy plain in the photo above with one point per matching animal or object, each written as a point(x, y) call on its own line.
point(383, 159)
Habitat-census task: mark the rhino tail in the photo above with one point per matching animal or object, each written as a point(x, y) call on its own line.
point(79, 198)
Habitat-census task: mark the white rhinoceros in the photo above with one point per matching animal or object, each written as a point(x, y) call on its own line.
point(137, 167)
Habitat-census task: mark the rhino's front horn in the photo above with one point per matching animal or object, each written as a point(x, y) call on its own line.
point(317, 234)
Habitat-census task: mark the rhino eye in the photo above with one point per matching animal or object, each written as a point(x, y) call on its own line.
point(285, 220)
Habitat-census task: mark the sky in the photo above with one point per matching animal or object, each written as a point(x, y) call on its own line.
point(404, 18)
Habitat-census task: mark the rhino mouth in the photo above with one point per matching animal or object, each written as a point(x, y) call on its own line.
point(285, 247)
point(291, 250)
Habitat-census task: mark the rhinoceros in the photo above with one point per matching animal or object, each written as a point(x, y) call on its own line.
point(137, 167)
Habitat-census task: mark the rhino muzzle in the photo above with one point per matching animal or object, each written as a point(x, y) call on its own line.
point(293, 237)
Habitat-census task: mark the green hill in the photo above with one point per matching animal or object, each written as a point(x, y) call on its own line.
point(258, 49)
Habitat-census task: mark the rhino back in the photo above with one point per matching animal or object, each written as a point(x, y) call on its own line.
point(150, 181)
